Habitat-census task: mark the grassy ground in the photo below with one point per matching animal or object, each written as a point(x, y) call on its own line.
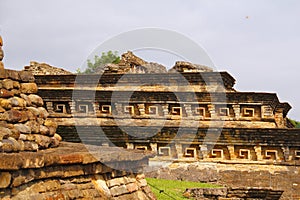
point(170, 189)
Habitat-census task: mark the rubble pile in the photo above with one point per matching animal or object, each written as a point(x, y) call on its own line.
point(37, 68)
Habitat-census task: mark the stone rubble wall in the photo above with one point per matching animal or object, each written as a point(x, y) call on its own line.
point(183, 66)
point(71, 172)
point(23, 119)
point(131, 63)
point(37, 68)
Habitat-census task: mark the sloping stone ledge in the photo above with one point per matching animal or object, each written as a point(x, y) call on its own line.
point(74, 153)
point(72, 172)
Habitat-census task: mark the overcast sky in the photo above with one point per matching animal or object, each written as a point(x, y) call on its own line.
point(256, 41)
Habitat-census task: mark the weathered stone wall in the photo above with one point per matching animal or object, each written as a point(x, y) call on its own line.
point(69, 171)
point(275, 177)
point(72, 172)
point(240, 193)
point(280, 146)
point(160, 96)
point(23, 119)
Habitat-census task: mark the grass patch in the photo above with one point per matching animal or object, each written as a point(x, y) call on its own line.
point(173, 189)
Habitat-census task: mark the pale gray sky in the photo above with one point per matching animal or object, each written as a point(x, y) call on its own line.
point(256, 41)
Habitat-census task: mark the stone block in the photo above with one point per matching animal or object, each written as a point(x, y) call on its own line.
point(42, 141)
point(44, 130)
point(7, 146)
point(19, 180)
point(7, 84)
point(36, 100)
point(15, 133)
point(34, 126)
point(43, 113)
point(142, 183)
point(22, 128)
point(56, 136)
point(28, 88)
point(17, 102)
point(115, 182)
point(16, 92)
point(132, 187)
point(26, 76)
point(14, 142)
point(21, 143)
point(15, 116)
point(16, 84)
point(118, 190)
point(30, 146)
point(5, 103)
point(70, 158)
point(130, 179)
point(12, 74)
point(5, 178)
point(26, 98)
point(6, 93)
point(4, 133)
point(50, 123)
point(34, 111)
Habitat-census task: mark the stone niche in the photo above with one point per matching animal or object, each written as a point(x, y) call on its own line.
point(23, 119)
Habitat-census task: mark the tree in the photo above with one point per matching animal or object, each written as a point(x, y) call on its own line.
point(295, 123)
point(99, 62)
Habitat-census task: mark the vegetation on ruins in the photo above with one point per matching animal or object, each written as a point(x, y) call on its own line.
point(99, 62)
point(174, 189)
point(295, 123)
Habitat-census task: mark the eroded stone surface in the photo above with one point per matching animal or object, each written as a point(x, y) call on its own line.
point(71, 172)
point(5, 178)
point(238, 176)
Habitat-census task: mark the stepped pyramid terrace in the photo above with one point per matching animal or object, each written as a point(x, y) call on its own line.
point(170, 113)
point(75, 136)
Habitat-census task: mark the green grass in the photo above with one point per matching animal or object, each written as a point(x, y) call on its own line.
point(174, 189)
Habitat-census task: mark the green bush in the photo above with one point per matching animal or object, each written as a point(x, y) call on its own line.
point(295, 123)
point(99, 62)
